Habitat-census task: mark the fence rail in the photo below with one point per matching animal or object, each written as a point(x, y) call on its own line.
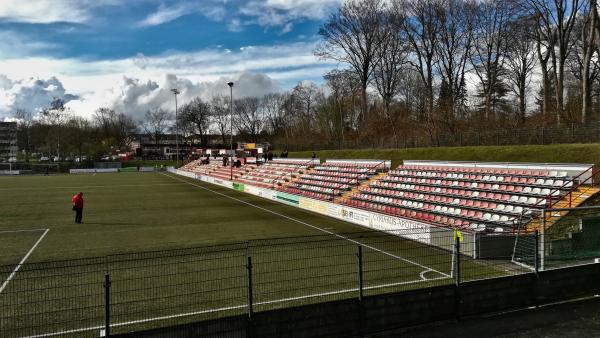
point(130, 292)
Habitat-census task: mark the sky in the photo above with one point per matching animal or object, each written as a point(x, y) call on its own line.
point(127, 55)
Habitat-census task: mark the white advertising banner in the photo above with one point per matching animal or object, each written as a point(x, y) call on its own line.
point(393, 225)
point(319, 207)
point(260, 192)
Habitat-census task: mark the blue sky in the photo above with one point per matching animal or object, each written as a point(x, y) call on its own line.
point(128, 54)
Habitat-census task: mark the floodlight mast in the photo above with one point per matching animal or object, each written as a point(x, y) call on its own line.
point(230, 84)
point(176, 92)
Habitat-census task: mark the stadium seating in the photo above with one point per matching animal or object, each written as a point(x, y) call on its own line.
point(273, 173)
point(331, 179)
point(216, 169)
point(478, 199)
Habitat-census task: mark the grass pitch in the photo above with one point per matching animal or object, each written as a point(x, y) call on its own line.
point(176, 251)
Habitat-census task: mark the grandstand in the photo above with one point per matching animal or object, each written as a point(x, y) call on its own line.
point(335, 177)
point(276, 173)
point(471, 196)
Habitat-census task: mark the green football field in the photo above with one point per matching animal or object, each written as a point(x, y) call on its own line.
point(176, 251)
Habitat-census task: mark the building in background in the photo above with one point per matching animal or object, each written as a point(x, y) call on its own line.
point(8, 142)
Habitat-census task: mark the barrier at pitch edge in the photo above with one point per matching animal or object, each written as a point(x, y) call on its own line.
point(402, 227)
point(93, 171)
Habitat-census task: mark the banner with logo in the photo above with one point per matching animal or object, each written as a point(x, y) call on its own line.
point(289, 199)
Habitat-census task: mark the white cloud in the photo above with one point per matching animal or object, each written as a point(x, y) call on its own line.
point(135, 96)
point(272, 13)
point(136, 84)
point(166, 14)
point(49, 11)
point(30, 94)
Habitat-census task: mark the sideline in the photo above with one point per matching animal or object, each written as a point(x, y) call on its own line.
point(14, 272)
point(311, 226)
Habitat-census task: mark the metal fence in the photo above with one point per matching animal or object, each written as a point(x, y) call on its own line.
point(565, 133)
point(137, 291)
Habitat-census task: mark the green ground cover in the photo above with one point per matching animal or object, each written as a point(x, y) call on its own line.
point(559, 153)
point(176, 251)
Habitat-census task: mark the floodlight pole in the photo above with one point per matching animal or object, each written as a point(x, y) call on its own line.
point(230, 84)
point(176, 92)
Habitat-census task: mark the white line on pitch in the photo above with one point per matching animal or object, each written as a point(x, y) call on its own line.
point(26, 230)
point(89, 186)
point(234, 307)
point(312, 226)
point(14, 272)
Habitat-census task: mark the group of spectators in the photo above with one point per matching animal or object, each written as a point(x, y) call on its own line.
point(237, 163)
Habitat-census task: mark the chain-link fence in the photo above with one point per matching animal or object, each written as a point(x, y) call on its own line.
point(139, 291)
point(570, 236)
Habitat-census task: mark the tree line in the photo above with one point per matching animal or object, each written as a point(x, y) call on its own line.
point(416, 68)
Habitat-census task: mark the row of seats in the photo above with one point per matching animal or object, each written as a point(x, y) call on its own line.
point(272, 174)
point(503, 188)
point(463, 213)
point(307, 193)
point(333, 179)
point(491, 171)
point(347, 169)
point(334, 174)
point(473, 179)
point(442, 220)
point(493, 196)
point(443, 200)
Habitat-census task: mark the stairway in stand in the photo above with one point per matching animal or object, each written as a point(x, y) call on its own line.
point(573, 200)
point(355, 189)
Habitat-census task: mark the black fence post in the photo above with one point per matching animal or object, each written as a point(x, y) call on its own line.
point(536, 257)
point(250, 324)
point(359, 256)
point(107, 305)
point(536, 265)
point(457, 299)
point(250, 290)
point(543, 141)
point(360, 273)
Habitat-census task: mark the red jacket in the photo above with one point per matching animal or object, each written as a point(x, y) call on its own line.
point(77, 201)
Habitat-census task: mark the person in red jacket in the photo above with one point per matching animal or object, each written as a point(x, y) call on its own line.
point(77, 201)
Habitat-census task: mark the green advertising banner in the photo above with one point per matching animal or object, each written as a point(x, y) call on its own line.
point(288, 198)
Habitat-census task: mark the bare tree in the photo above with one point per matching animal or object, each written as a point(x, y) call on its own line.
point(79, 132)
point(55, 115)
point(156, 123)
point(393, 54)
point(556, 19)
point(584, 51)
point(352, 36)
point(220, 116)
point(25, 123)
point(490, 45)
point(422, 28)
point(273, 106)
point(345, 90)
point(195, 117)
point(117, 129)
point(520, 61)
point(304, 102)
point(452, 53)
point(248, 118)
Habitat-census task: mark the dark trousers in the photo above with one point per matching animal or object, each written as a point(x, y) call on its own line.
point(78, 214)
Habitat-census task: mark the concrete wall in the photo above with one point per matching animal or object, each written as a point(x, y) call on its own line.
point(348, 318)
